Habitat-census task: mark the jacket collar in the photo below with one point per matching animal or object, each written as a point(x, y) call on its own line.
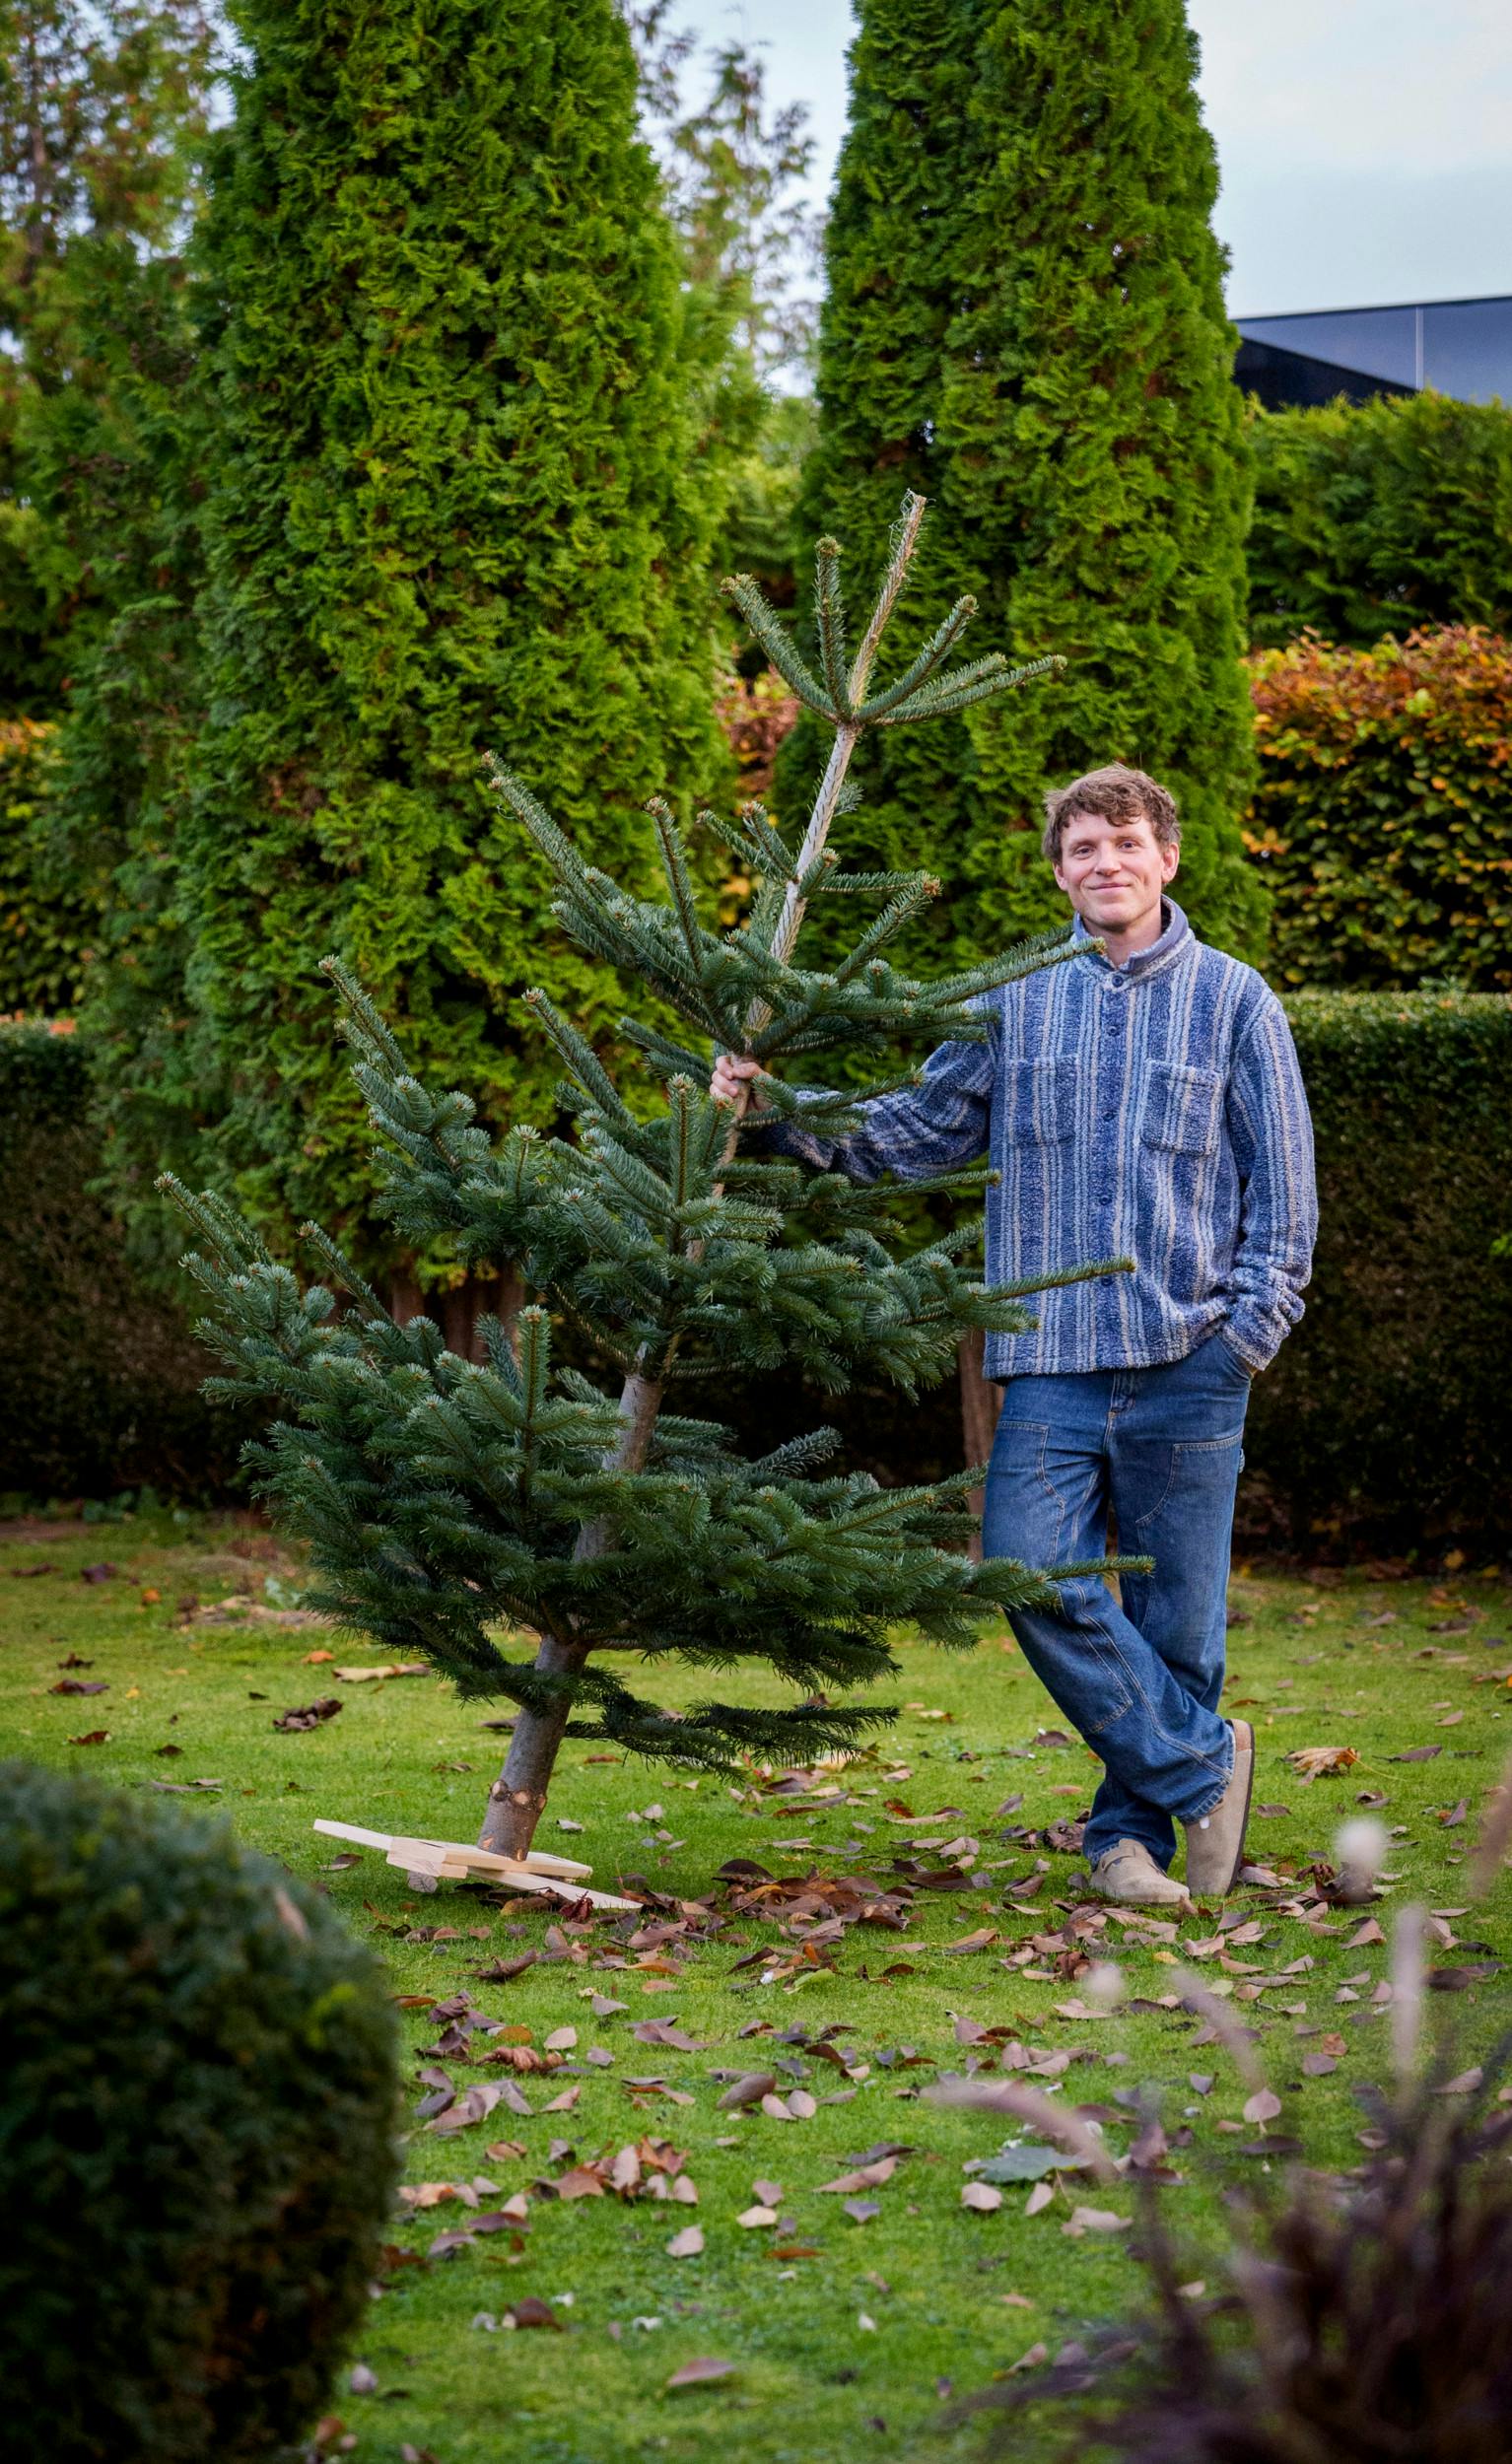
point(1175, 935)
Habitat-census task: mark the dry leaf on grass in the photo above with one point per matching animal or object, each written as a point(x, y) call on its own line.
point(863, 2177)
point(702, 2372)
point(687, 2244)
point(752, 2089)
point(754, 2218)
point(308, 1715)
point(981, 2198)
point(1464, 2086)
point(1323, 1762)
point(583, 2182)
point(531, 2311)
point(1094, 2221)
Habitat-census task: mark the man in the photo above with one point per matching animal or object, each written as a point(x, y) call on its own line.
point(1141, 1100)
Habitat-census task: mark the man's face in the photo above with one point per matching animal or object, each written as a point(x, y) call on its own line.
point(1113, 872)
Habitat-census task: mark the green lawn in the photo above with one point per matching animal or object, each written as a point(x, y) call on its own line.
point(846, 2337)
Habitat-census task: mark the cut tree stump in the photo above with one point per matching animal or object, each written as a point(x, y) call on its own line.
point(453, 1861)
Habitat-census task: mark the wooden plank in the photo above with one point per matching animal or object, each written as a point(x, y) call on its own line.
point(352, 1831)
point(453, 1861)
point(480, 1860)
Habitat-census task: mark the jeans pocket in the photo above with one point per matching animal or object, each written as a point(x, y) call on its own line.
point(1200, 1476)
point(1231, 1357)
point(1024, 1513)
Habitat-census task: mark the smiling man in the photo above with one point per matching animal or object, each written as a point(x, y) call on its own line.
point(1141, 1100)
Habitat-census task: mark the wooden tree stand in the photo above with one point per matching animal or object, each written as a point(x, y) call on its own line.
point(451, 1861)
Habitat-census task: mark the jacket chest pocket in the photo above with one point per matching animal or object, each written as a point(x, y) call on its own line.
point(1040, 1101)
point(1183, 1108)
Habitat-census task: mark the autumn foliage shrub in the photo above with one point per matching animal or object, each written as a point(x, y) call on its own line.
point(197, 2134)
point(1382, 819)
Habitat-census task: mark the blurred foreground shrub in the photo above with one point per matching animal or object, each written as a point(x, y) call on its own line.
point(199, 2133)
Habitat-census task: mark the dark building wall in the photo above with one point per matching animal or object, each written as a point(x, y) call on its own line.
point(1459, 347)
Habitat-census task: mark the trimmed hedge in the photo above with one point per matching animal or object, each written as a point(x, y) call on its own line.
point(1382, 818)
point(50, 922)
point(1371, 517)
point(100, 1373)
point(1386, 1414)
point(199, 2118)
point(1384, 1422)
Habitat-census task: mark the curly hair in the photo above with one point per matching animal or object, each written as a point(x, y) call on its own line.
point(1117, 794)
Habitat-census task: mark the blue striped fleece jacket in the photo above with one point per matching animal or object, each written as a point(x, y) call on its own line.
point(1152, 1111)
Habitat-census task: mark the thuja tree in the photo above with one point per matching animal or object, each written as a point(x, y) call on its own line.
point(450, 1504)
point(1025, 319)
point(458, 465)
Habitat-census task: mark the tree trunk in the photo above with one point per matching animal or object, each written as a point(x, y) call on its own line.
point(980, 1406)
point(456, 1312)
point(518, 1798)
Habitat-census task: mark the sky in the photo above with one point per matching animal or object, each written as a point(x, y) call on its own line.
point(1365, 146)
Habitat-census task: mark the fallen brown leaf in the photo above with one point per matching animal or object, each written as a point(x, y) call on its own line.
point(1322, 1761)
point(749, 2089)
point(702, 2372)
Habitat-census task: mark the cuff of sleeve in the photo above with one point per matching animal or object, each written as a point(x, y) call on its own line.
point(1249, 1343)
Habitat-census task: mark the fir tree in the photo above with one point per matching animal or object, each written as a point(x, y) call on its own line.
point(1025, 318)
point(447, 1500)
point(458, 482)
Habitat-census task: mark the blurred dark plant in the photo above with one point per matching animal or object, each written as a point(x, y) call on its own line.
point(1365, 2318)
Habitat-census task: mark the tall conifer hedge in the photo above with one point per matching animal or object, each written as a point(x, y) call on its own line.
point(455, 495)
point(1025, 321)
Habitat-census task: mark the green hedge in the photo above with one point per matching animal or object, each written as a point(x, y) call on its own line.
point(99, 1374)
point(50, 922)
point(1384, 1422)
point(1386, 1415)
point(1382, 816)
point(1371, 517)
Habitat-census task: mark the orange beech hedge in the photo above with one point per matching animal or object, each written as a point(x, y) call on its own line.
point(1383, 815)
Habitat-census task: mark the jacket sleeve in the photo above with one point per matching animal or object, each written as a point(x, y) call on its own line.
point(1271, 1134)
point(924, 1130)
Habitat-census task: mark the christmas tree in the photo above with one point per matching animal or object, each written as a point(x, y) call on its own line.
point(452, 1505)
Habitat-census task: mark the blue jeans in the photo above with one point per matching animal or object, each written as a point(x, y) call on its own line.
point(1141, 1681)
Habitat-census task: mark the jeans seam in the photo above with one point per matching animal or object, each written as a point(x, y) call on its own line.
point(1042, 1432)
point(1159, 1730)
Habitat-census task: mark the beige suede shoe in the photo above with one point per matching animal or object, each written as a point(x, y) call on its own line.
point(1215, 1844)
point(1128, 1873)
